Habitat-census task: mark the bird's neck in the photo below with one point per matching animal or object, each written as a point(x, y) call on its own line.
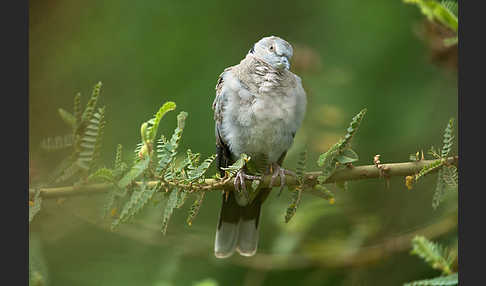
point(259, 76)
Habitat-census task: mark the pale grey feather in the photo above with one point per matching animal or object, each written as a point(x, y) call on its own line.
point(258, 108)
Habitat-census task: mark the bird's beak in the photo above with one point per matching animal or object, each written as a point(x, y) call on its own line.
point(285, 62)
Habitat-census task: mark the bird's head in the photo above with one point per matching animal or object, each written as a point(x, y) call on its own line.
point(274, 51)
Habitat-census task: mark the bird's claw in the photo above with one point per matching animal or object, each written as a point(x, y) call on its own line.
point(279, 171)
point(239, 181)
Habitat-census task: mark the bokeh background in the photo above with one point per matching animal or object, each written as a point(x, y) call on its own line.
point(349, 54)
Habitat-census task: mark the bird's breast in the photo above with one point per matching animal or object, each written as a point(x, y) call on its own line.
point(261, 125)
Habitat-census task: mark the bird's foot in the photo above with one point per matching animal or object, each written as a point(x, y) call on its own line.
point(240, 182)
point(280, 172)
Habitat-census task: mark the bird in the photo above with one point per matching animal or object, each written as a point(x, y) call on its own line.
point(259, 106)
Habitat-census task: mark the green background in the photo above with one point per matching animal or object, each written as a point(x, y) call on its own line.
point(349, 54)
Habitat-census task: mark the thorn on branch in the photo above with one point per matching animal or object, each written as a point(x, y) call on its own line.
point(384, 170)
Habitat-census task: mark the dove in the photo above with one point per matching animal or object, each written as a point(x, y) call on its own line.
point(259, 106)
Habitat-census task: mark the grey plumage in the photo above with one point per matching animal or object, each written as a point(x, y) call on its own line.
point(258, 108)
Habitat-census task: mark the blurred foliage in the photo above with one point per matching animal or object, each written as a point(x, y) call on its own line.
point(381, 55)
point(438, 258)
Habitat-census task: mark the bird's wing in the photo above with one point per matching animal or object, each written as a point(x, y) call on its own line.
point(222, 149)
point(230, 213)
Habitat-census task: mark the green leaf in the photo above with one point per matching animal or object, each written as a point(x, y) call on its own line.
point(90, 141)
point(67, 117)
point(432, 253)
point(353, 127)
point(292, 208)
point(195, 173)
point(134, 172)
point(452, 279)
point(238, 165)
point(194, 211)
point(324, 192)
point(35, 205)
point(451, 41)
point(169, 209)
point(451, 5)
point(441, 188)
point(434, 10)
point(340, 152)
point(167, 150)
point(90, 106)
point(206, 282)
point(296, 194)
point(69, 172)
point(77, 110)
point(448, 138)
point(181, 199)
point(103, 174)
point(57, 142)
point(347, 156)
point(38, 268)
point(119, 166)
point(429, 168)
point(450, 176)
point(328, 162)
point(138, 200)
point(152, 131)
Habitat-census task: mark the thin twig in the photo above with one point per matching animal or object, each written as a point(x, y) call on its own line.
point(310, 179)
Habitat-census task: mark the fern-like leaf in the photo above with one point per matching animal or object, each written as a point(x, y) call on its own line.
point(57, 142)
point(169, 209)
point(452, 279)
point(236, 166)
point(434, 254)
point(35, 205)
point(119, 166)
point(324, 193)
point(67, 117)
point(68, 172)
point(440, 189)
point(154, 122)
point(451, 5)
point(328, 162)
point(136, 170)
point(292, 208)
point(167, 150)
point(436, 11)
point(429, 168)
point(181, 199)
point(340, 152)
point(91, 141)
point(91, 105)
point(194, 211)
point(353, 127)
point(195, 173)
point(137, 201)
point(297, 192)
point(77, 110)
point(38, 268)
point(450, 176)
point(448, 138)
point(104, 174)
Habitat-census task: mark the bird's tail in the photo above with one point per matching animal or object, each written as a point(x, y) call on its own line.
point(238, 226)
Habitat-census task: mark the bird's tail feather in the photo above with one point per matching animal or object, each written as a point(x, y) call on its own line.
point(228, 227)
point(238, 227)
point(226, 239)
point(247, 237)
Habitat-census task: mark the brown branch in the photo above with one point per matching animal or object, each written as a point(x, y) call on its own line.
point(310, 179)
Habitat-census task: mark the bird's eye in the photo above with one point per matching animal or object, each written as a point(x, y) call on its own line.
point(271, 48)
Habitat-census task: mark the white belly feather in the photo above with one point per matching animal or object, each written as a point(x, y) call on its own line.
point(263, 124)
